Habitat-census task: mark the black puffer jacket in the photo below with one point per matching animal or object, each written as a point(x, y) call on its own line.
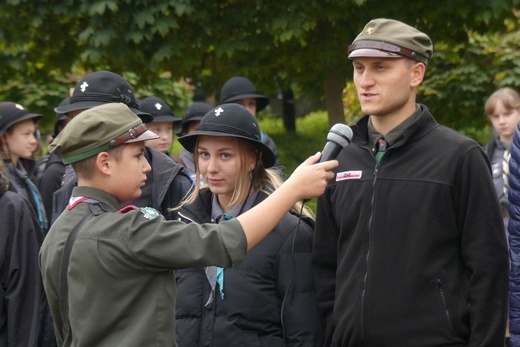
point(166, 185)
point(274, 280)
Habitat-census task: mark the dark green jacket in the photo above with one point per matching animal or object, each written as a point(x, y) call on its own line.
point(121, 287)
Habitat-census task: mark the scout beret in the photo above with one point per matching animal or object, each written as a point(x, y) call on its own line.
point(390, 38)
point(230, 120)
point(99, 129)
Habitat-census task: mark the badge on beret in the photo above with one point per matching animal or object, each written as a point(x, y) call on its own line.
point(149, 213)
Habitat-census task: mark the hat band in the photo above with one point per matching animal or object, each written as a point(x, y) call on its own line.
point(133, 133)
point(77, 157)
point(387, 47)
point(226, 130)
point(104, 98)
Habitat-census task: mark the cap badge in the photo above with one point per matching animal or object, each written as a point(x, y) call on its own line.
point(158, 106)
point(370, 30)
point(20, 107)
point(218, 111)
point(83, 86)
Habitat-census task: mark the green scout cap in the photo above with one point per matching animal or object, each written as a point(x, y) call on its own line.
point(98, 129)
point(388, 38)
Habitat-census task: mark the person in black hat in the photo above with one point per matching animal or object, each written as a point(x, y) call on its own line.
point(167, 182)
point(269, 299)
point(409, 245)
point(21, 291)
point(163, 124)
point(52, 166)
point(190, 122)
point(241, 90)
point(17, 140)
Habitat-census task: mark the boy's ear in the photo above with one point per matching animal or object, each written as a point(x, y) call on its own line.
point(103, 163)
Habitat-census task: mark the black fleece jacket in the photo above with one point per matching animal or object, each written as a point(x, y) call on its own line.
point(411, 252)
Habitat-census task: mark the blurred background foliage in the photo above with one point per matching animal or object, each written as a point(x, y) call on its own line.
point(172, 48)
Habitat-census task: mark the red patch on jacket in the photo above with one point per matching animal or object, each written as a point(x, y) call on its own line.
point(128, 208)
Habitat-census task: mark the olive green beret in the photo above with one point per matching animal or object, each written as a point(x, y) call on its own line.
point(389, 38)
point(98, 129)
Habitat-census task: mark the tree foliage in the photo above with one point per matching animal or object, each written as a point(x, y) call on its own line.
point(49, 44)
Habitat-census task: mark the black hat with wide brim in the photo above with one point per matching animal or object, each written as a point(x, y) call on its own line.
point(103, 87)
point(159, 109)
point(238, 88)
point(12, 113)
point(230, 120)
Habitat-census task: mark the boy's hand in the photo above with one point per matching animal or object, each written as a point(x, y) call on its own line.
point(310, 179)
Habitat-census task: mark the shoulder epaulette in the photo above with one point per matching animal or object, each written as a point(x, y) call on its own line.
point(128, 208)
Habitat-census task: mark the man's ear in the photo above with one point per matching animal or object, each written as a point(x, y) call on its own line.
point(418, 71)
point(103, 163)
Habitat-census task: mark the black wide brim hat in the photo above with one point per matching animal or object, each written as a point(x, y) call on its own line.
point(238, 88)
point(12, 113)
point(159, 109)
point(230, 120)
point(103, 87)
point(261, 100)
point(195, 112)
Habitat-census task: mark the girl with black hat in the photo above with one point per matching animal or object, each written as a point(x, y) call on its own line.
point(18, 139)
point(269, 299)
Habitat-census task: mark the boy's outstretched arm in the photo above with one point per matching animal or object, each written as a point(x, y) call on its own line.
point(307, 181)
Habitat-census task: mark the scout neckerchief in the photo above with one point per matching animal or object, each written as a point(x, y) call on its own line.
point(215, 274)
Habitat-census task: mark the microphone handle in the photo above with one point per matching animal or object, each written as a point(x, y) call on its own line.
point(330, 151)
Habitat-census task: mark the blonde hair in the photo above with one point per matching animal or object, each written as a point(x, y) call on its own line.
point(264, 180)
point(509, 97)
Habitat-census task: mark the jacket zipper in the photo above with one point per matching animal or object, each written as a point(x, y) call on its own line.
point(367, 256)
point(443, 298)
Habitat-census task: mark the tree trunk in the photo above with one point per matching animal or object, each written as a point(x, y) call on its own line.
point(289, 110)
point(334, 98)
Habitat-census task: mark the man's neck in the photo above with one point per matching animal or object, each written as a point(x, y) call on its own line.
point(385, 123)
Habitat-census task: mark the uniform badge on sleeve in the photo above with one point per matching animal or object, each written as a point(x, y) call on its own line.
point(149, 213)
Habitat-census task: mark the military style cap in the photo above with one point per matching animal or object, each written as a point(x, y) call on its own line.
point(237, 88)
point(388, 38)
point(230, 120)
point(99, 129)
point(103, 87)
point(159, 110)
point(12, 113)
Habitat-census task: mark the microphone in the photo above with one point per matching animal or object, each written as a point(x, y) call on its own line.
point(339, 137)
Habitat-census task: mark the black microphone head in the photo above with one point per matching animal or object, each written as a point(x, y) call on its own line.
point(340, 134)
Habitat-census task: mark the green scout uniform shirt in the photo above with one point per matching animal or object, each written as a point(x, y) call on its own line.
point(121, 287)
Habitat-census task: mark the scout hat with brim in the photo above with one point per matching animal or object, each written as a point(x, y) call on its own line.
point(195, 112)
point(230, 120)
point(388, 38)
point(99, 129)
point(12, 113)
point(103, 87)
point(159, 110)
point(238, 88)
